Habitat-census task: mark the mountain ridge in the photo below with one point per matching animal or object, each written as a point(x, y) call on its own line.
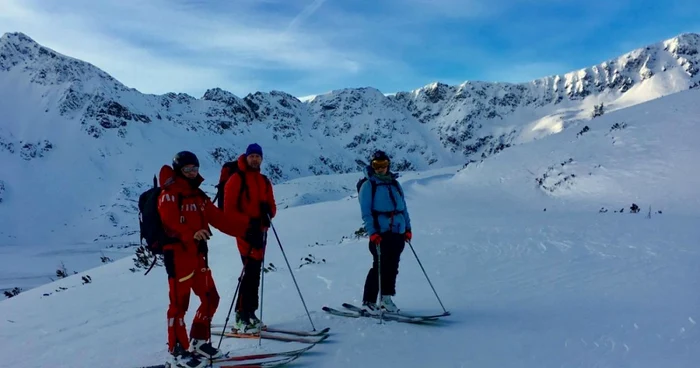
point(64, 117)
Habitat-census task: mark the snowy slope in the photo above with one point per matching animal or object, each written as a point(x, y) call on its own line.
point(646, 154)
point(81, 146)
point(566, 287)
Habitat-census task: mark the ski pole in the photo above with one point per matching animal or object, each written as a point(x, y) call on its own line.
point(208, 291)
point(426, 277)
point(379, 276)
point(235, 293)
point(262, 290)
point(292, 273)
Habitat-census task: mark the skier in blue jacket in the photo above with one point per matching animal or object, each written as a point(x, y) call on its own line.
point(386, 219)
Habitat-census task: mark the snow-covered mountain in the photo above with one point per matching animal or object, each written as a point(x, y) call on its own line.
point(80, 145)
point(519, 248)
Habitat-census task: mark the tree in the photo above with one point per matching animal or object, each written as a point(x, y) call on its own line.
point(598, 110)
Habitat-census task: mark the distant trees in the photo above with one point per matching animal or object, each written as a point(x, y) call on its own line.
point(598, 110)
point(14, 292)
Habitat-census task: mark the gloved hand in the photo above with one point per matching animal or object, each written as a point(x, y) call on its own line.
point(203, 234)
point(375, 239)
point(408, 235)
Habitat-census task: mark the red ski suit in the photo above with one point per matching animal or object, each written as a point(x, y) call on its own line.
point(258, 190)
point(185, 263)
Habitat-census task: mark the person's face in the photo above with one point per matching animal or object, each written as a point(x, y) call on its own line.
point(190, 171)
point(380, 167)
point(254, 160)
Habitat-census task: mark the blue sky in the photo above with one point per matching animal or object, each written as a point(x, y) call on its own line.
point(307, 47)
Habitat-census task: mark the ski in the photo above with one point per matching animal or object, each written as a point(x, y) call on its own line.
point(286, 331)
point(386, 317)
point(263, 355)
point(428, 317)
point(297, 332)
point(279, 361)
point(247, 363)
point(273, 359)
point(272, 336)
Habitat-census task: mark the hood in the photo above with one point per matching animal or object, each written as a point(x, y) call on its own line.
point(168, 179)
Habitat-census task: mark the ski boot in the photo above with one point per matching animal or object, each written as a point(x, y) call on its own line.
point(370, 308)
point(205, 349)
point(255, 321)
point(181, 358)
point(243, 324)
point(388, 305)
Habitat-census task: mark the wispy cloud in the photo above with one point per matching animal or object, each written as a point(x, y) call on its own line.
point(160, 46)
point(305, 14)
point(307, 47)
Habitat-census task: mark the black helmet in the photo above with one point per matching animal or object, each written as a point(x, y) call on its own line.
point(184, 158)
point(380, 155)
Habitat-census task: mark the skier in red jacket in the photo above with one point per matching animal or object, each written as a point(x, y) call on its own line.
point(250, 193)
point(186, 261)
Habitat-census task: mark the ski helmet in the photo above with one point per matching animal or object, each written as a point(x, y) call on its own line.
point(380, 155)
point(184, 158)
point(380, 159)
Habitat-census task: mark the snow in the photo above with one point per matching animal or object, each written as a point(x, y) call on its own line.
point(531, 277)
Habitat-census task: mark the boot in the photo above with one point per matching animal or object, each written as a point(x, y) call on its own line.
point(255, 321)
point(371, 308)
point(244, 325)
point(205, 349)
point(388, 305)
point(182, 358)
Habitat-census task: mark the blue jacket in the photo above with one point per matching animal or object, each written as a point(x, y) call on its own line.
point(401, 221)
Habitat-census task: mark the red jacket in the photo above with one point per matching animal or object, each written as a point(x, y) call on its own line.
point(258, 190)
point(196, 213)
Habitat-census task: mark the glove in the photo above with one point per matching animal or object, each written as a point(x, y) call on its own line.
point(408, 235)
point(203, 234)
point(375, 239)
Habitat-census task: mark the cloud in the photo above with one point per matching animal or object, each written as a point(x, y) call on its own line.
point(308, 47)
point(305, 14)
point(157, 46)
point(135, 66)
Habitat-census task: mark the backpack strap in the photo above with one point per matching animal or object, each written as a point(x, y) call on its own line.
point(244, 188)
point(229, 166)
point(375, 214)
point(395, 183)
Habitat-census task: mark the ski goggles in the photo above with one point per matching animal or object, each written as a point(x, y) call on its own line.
point(189, 169)
point(380, 164)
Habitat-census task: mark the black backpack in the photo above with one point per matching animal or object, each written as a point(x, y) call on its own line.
point(227, 171)
point(150, 223)
point(375, 214)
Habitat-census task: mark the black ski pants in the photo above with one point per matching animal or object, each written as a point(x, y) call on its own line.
point(391, 247)
point(248, 293)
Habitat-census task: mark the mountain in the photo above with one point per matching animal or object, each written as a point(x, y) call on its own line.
point(80, 145)
point(534, 273)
